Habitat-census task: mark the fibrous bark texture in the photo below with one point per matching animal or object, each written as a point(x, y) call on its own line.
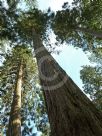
point(70, 112)
point(14, 127)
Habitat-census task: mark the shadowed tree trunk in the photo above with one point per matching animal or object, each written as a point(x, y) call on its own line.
point(70, 112)
point(14, 128)
point(91, 32)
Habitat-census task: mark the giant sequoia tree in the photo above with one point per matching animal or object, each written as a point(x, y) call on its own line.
point(65, 102)
point(16, 73)
point(70, 112)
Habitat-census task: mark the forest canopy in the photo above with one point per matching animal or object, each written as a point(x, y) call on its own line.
point(36, 93)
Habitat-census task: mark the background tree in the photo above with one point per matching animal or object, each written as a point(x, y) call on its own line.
point(80, 24)
point(65, 104)
point(13, 36)
point(33, 109)
point(56, 97)
point(65, 93)
point(92, 78)
point(9, 77)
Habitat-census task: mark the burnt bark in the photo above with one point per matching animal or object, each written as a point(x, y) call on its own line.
point(14, 127)
point(70, 112)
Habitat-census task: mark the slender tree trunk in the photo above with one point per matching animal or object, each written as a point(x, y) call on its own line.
point(14, 128)
point(96, 34)
point(70, 112)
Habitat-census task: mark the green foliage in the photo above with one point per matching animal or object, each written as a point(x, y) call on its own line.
point(12, 4)
point(41, 120)
point(8, 75)
point(92, 78)
point(33, 109)
point(31, 3)
point(72, 25)
point(7, 22)
point(32, 20)
point(17, 27)
point(96, 56)
point(79, 25)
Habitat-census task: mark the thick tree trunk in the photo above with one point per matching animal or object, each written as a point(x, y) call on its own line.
point(91, 32)
point(14, 128)
point(70, 112)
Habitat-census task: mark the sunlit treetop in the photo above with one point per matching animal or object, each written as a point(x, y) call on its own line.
point(79, 24)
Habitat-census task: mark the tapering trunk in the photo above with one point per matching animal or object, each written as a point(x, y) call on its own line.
point(14, 127)
point(70, 112)
point(94, 33)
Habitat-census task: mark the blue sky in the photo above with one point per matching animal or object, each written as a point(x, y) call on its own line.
point(54, 4)
point(70, 59)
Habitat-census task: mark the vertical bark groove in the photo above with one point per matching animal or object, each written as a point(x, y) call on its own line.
point(70, 112)
point(14, 128)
